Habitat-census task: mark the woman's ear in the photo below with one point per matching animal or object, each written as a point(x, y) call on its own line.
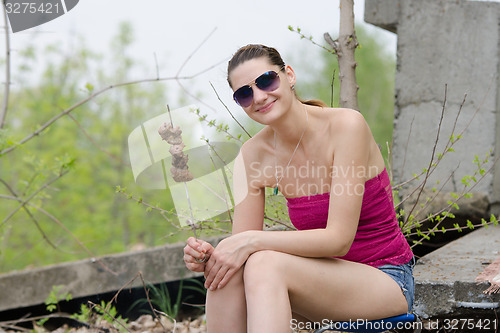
point(290, 75)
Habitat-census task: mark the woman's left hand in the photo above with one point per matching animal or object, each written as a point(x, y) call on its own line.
point(227, 258)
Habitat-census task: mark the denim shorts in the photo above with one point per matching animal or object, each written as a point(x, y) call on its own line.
point(403, 275)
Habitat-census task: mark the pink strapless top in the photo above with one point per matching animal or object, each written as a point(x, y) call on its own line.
point(378, 241)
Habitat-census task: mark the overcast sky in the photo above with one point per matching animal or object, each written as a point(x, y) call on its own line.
point(174, 28)
point(171, 30)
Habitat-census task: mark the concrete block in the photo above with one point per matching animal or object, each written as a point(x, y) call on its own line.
point(383, 13)
point(415, 133)
point(88, 277)
point(445, 278)
point(453, 43)
point(448, 42)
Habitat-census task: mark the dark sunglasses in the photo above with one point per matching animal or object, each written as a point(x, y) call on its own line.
point(269, 81)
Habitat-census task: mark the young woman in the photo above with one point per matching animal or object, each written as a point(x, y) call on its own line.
point(348, 258)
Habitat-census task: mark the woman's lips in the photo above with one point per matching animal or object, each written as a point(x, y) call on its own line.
point(266, 107)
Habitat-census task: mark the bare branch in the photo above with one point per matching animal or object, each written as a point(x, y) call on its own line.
point(332, 91)
point(193, 96)
point(288, 226)
point(446, 210)
point(110, 315)
point(31, 216)
point(433, 151)
point(33, 319)
point(96, 145)
point(334, 44)
point(232, 116)
point(195, 50)
point(25, 201)
point(167, 316)
point(60, 224)
point(92, 96)
point(146, 291)
point(82, 102)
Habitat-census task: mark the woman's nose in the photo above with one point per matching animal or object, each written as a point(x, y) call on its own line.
point(258, 95)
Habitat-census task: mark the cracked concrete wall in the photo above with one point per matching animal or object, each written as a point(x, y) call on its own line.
point(453, 43)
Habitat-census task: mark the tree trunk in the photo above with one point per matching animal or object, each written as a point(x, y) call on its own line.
point(344, 47)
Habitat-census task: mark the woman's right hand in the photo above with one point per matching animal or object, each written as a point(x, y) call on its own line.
point(196, 254)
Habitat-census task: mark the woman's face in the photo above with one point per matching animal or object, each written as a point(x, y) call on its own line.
point(266, 106)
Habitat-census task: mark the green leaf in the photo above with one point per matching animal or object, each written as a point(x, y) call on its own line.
point(493, 219)
point(470, 225)
point(89, 87)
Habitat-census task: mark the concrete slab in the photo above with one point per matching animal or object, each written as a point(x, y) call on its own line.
point(90, 277)
point(445, 278)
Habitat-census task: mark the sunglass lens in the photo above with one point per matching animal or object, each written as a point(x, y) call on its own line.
point(243, 96)
point(268, 81)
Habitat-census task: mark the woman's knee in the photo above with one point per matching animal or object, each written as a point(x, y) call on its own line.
point(234, 288)
point(262, 266)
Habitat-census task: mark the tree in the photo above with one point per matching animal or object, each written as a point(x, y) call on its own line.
point(63, 152)
point(344, 48)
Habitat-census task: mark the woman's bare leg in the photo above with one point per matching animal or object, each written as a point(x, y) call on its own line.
point(318, 289)
point(226, 308)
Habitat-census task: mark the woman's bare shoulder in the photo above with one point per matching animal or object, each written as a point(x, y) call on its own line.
point(343, 113)
point(340, 121)
point(345, 120)
point(258, 146)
